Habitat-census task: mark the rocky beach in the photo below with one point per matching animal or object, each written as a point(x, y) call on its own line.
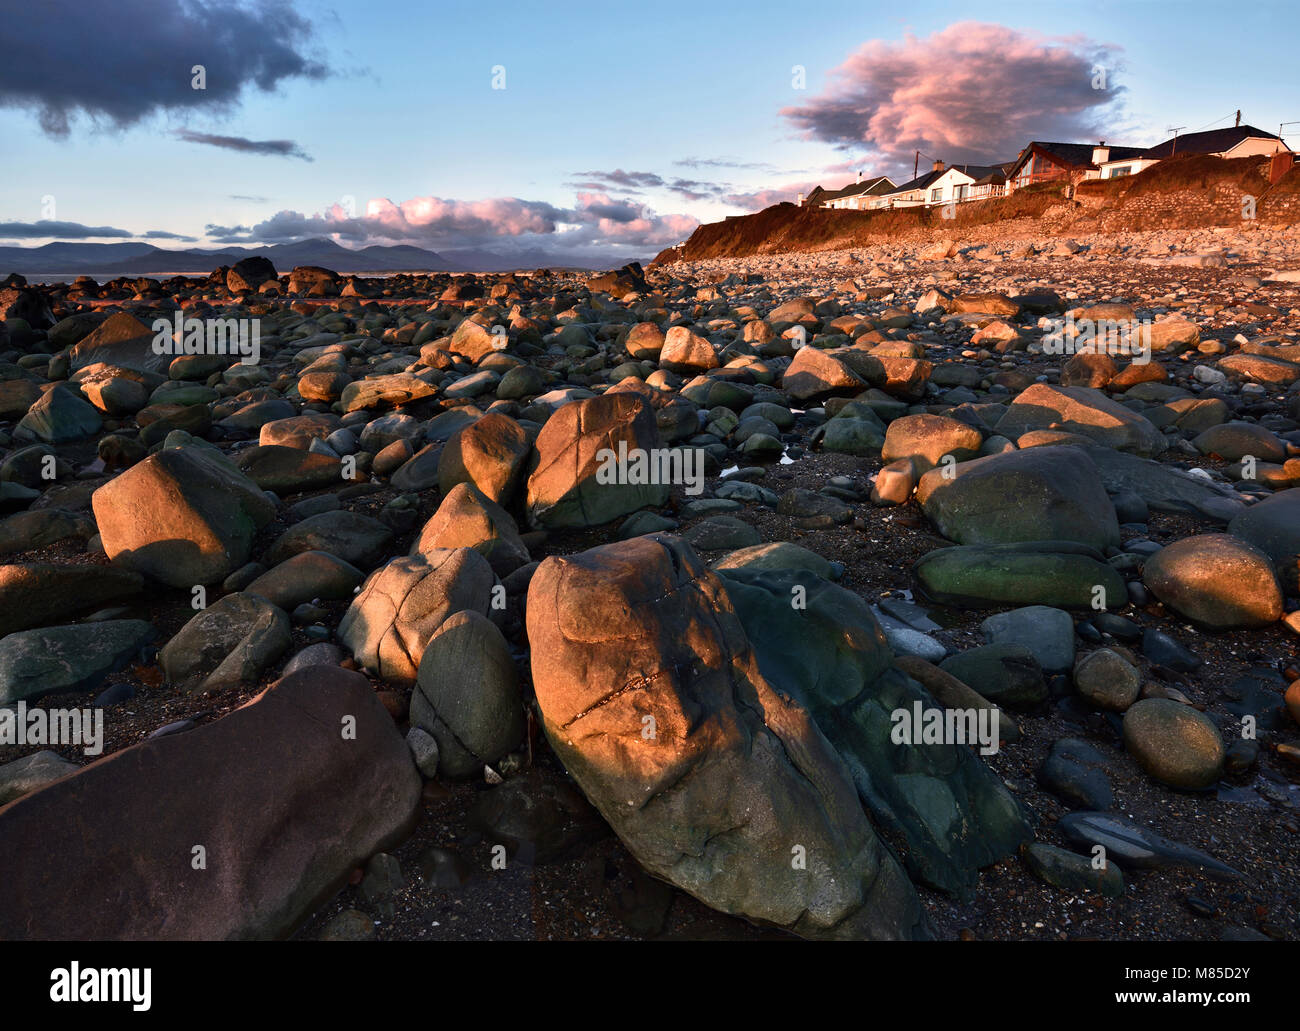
point(933, 589)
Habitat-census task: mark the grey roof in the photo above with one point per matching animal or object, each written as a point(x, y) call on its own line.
point(880, 184)
point(1213, 141)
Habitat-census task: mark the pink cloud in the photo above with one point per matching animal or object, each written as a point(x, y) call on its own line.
point(972, 92)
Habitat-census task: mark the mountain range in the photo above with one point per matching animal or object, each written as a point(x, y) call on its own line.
point(107, 260)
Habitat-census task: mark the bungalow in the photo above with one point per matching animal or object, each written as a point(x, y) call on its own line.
point(911, 194)
point(855, 197)
point(1238, 141)
point(1042, 162)
point(952, 184)
point(813, 200)
point(992, 185)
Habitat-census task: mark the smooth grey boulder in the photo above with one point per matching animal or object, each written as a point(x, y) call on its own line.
point(1165, 488)
point(1273, 526)
point(1060, 574)
point(1037, 494)
point(25, 775)
point(831, 656)
point(467, 695)
point(1132, 845)
point(712, 779)
point(63, 659)
point(228, 643)
point(1047, 632)
point(357, 539)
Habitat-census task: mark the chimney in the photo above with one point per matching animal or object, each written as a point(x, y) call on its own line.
point(859, 182)
point(1100, 153)
point(938, 165)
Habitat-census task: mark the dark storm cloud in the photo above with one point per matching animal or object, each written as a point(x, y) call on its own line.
point(49, 228)
point(62, 230)
point(120, 62)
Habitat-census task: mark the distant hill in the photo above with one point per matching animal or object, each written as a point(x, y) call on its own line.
point(142, 259)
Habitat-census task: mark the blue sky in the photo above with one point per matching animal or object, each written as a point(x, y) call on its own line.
point(394, 103)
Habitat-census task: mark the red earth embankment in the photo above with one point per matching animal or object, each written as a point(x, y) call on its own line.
point(1190, 192)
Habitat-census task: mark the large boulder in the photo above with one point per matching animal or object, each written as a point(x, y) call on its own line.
point(1084, 411)
point(236, 829)
point(928, 439)
point(1217, 580)
point(59, 416)
point(313, 281)
point(467, 695)
point(183, 516)
point(121, 340)
point(491, 453)
point(37, 593)
point(1165, 488)
point(38, 527)
point(1174, 743)
point(1062, 574)
point(475, 341)
point(815, 373)
point(1041, 493)
point(686, 352)
point(467, 519)
point(64, 659)
point(402, 604)
point(1273, 526)
point(26, 303)
point(226, 644)
point(307, 576)
point(565, 488)
point(831, 656)
point(288, 470)
point(249, 274)
point(653, 698)
point(390, 391)
point(357, 539)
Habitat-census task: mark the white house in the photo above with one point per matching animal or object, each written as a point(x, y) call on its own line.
point(941, 185)
point(1239, 141)
point(856, 196)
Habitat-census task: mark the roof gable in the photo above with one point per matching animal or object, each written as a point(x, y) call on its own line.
point(1212, 141)
point(880, 184)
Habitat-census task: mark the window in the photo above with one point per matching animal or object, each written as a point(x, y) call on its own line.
point(1115, 173)
point(936, 194)
point(960, 193)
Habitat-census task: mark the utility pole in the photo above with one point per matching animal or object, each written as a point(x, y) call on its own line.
point(1237, 124)
point(916, 165)
point(1175, 131)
